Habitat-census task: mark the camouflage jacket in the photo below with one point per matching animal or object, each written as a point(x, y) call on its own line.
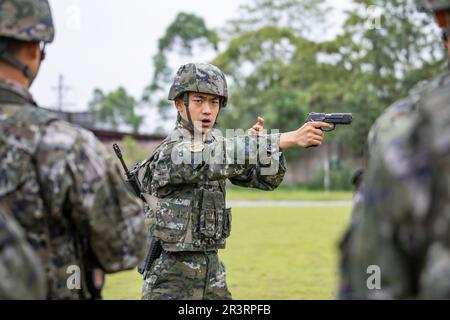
point(402, 225)
point(64, 189)
point(190, 212)
point(21, 271)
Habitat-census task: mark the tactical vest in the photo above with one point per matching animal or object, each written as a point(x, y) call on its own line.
point(193, 217)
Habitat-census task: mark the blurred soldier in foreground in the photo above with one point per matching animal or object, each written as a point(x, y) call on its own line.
point(57, 180)
point(185, 178)
point(20, 269)
point(399, 247)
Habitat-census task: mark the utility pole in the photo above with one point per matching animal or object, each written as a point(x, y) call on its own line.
point(61, 89)
point(326, 169)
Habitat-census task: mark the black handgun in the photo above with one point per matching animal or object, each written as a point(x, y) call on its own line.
point(332, 118)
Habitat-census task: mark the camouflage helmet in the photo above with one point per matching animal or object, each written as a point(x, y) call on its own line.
point(433, 5)
point(199, 77)
point(26, 20)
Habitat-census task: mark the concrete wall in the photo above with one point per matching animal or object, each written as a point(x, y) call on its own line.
point(314, 159)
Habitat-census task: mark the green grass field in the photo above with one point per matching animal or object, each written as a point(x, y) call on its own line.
point(285, 193)
point(273, 253)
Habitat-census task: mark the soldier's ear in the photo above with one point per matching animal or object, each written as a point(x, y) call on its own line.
point(31, 51)
point(179, 105)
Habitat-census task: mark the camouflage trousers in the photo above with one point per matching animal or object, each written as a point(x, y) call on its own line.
point(186, 276)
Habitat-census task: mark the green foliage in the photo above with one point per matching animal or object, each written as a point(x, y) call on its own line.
point(280, 75)
point(300, 16)
point(133, 151)
point(257, 63)
point(273, 253)
point(382, 59)
point(340, 178)
point(275, 69)
point(286, 193)
point(115, 108)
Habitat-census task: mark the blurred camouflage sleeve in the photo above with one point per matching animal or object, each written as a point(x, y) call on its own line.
point(21, 272)
point(78, 172)
point(245, 156)
point(345, 288)
point(387, 233)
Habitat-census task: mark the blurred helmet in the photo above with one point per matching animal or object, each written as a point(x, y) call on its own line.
point(26, 20)
point(199, 77)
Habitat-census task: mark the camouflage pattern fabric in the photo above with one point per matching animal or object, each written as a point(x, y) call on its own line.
point(190, 214)
point(403, 226)
point(199, 77)
point(27, 20)
point(21, 271)
point(345, 288)
point(65, 190)
point(187, 276)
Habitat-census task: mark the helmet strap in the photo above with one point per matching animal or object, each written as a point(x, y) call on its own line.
point(188, 124)
point(13, 61)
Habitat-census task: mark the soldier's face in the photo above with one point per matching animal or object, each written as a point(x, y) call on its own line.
point(204, 109)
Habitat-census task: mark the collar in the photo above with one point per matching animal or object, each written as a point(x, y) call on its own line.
point(16, 89)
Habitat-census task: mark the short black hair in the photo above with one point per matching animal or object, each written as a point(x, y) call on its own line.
point(13, 46)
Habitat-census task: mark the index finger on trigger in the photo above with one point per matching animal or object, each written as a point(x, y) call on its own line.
point(320, 124)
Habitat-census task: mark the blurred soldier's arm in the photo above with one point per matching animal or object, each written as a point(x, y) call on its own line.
point(78, 173)
point(344, 290)
point(21, 272)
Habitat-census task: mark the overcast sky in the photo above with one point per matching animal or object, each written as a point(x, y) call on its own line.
point(110, 43)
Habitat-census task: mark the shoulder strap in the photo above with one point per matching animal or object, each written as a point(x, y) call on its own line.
point(8, 96)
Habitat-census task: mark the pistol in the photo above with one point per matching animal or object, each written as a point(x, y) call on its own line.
point(332, 118)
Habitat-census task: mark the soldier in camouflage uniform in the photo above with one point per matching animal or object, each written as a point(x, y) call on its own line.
point(402, 224)
point(189, 214)
point(21, 271)
point(57, 180)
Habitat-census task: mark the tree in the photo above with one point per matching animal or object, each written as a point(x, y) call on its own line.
point(299, 16)
point(385, 48)
point(115, 108)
